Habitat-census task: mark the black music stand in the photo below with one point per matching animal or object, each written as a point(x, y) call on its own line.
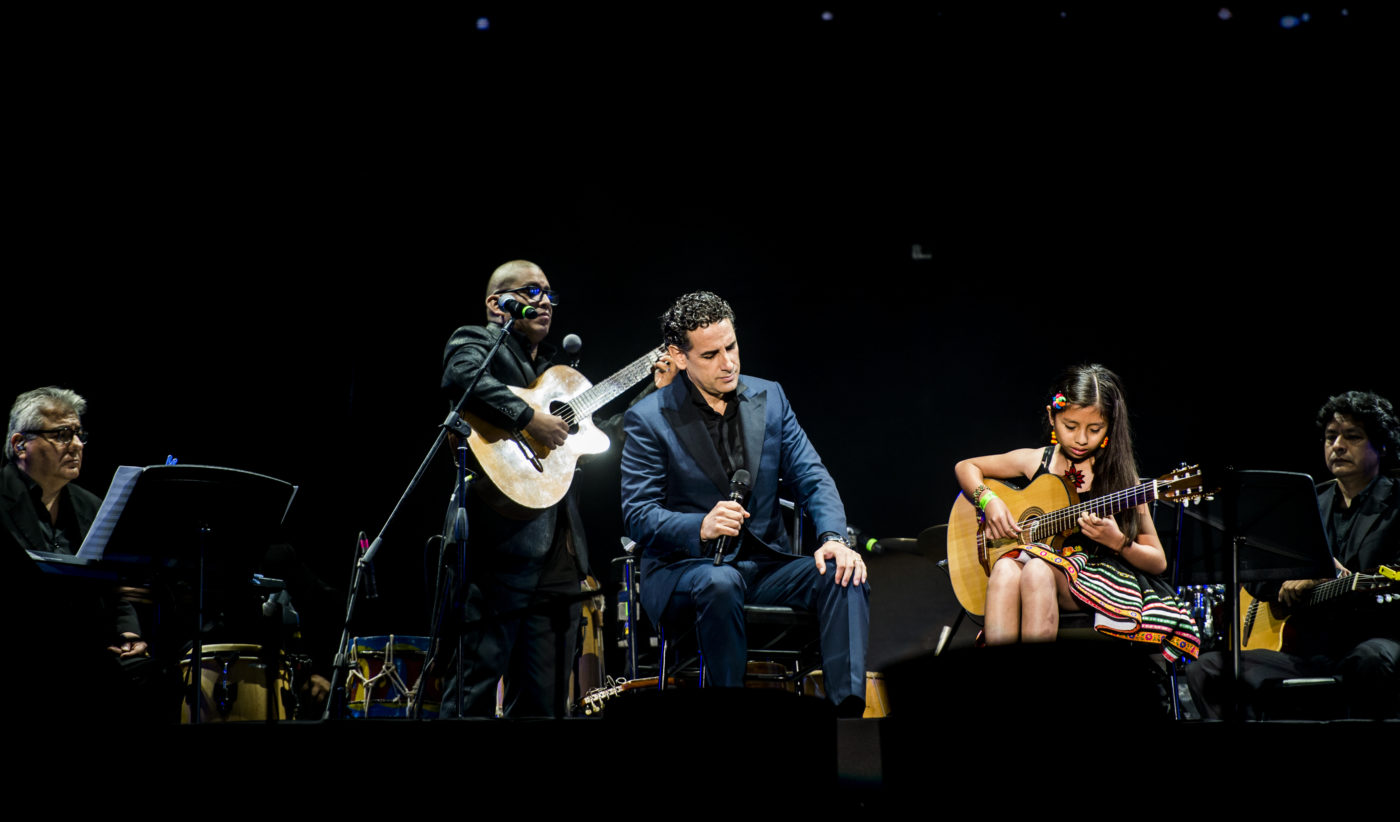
point(1265, 527)
point(182, 517)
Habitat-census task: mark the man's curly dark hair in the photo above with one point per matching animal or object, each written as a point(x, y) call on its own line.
point(1373, 412)
point(692, 311)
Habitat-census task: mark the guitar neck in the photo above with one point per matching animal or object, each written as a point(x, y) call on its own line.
point(604, 392)
point(1066, 520)
point(1336, 588)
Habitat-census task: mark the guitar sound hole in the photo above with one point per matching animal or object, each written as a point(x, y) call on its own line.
point(1030, 518)
point(563, 411)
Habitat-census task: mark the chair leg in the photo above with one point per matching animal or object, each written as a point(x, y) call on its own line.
point(1175, 687)
point(661, 667)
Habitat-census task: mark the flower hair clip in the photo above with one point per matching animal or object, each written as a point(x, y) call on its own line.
point(1058, 402)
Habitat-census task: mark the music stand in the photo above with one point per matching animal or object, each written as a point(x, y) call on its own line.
point(183, 516)
point(1265, 527)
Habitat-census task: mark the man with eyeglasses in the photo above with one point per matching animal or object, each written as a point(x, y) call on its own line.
point(514, 563)
point(41, 510)
point(1360, 510)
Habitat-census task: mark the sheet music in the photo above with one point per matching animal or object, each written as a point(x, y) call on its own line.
point(117, 494)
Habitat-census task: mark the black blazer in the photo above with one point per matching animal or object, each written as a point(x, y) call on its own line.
point(1377, 528)
point(20, 530)
point(494, 402)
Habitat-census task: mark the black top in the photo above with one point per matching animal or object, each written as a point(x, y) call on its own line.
point(24, 524)
point(64, 536)
point(1342, 534)
point(724, 429)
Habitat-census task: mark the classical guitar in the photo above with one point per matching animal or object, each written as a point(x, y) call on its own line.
point(1048, 511)
point(774, 677)
point(1259, 628)
point(523, 475)
point(593, 701)
point(1262, 627)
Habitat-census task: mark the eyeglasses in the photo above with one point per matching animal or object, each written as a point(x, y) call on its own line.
point(60, 436)
point(532, 292)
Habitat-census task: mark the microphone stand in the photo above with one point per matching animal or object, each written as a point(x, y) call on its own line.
point(335, 705)
point(445, 584)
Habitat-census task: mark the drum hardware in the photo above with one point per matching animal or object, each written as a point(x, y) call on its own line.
point(381, 670)
point(233, 685)
point(1203, 603)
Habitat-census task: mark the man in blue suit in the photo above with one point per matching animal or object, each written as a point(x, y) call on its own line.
point(683, 445)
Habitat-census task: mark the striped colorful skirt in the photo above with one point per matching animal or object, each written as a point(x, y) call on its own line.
point(1126, 602)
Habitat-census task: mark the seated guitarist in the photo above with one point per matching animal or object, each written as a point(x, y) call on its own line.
point(1115, 570)
point(514, 563)
point(1360, 511)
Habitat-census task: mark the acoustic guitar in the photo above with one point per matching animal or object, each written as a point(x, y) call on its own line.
point(1262, 627)
point(1048, 511)
point(525, 476)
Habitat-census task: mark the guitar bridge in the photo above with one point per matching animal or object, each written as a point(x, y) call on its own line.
point(527, 451)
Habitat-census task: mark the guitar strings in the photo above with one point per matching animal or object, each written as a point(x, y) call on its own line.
point(1066, 518)
point(586, 402)
point(583, 405)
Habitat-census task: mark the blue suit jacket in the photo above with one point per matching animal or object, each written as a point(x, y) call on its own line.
point(672, 477)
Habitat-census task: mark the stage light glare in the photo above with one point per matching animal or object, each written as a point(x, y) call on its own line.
point(482, 24)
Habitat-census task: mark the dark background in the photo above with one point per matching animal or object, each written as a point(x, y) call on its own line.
point(246, 240)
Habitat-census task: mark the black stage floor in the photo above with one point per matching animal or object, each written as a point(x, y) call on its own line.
point(677, 752)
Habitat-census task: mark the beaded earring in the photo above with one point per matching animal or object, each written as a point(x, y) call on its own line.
point(1057, 402)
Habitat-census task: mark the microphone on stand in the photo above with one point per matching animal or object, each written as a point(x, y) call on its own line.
point(516, 309)
point(571, 346)
point(372, 582)
point(738, 492)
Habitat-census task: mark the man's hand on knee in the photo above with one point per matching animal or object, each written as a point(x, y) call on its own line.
point(850, 568)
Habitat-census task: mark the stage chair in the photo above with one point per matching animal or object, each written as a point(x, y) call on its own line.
point(779, 634)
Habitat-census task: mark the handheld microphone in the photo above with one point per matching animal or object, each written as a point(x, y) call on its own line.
point(738, 492)
point(516, 309)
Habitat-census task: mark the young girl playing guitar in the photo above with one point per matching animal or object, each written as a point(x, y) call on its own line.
point(1115, 571)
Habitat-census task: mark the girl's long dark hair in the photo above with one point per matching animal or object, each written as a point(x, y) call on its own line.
point(1115, 467)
